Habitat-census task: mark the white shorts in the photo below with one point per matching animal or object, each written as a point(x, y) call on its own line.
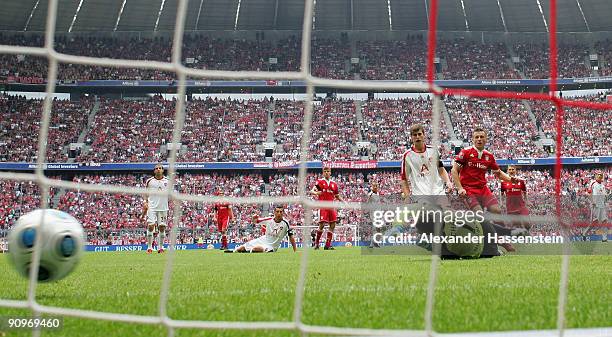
point(159, 218)
point(258, 243)
point(600, 214)
point(438, 200)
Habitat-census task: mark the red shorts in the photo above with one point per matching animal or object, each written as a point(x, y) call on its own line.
point(222, 224)
point(518, 211)
point(480, 196)
point(328, 215)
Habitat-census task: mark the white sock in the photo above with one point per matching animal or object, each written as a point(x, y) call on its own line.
point(149, 240)
point(162, 238)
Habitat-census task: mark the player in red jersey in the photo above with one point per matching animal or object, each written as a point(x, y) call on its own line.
point(326, 190)
point(224, 215)
point(469, 169)
point(515, 194)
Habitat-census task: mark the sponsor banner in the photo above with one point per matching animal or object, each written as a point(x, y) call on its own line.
point(189, 83)
point(25, 80)
point(284, 245)
point(363, 164)
point(209, 246)
point(131, 248)
point(445, 83)
point(592, 79)
point(285, 164)
point(298, 84)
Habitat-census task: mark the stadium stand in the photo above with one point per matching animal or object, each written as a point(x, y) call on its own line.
point(233, 130)
point(21, 119)
point(510, 130)
point(585, 131)
point(534, 60)
point(471, 60)
point(379, 60)
point(334, 131)
point(386, 124)
point(129, 131)
point(392, 60)
point(604, 51)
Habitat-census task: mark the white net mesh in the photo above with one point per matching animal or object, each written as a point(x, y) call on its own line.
point(182, 72)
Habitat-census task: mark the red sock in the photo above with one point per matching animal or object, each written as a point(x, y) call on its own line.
point(224, 241)
point(319, 233)
point(330, 237)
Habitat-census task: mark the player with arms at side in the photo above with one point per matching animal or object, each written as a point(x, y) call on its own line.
point(600, 209)
point(373, 198)
point(515, 194)
point(469, 169)
point(223, 214)
point(276, 230)
point(326, 190)
point(417, 163)
point(155, 209)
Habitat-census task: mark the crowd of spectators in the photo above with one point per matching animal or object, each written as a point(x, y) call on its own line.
point(204, 120)
point(214, 130)
point(392, 60)
point(334, 131)
point(511, 132)
point(466, 60)
point(20, 125)
point(235, 130)
point(604, 51)
point(102, 213)
point(119, 215)
point(288, 131)
point(403, 59)
point(244, 127)
point(585, 131)
point(534, 60)
point(331, 59)
point(129, 131)
point(18, 198)
point(386, 125)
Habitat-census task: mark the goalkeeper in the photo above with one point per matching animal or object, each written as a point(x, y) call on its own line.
point(435, 220)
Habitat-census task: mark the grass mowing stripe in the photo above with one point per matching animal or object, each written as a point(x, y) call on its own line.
point(343, 288)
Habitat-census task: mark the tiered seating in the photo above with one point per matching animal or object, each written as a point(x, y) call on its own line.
point(510, 129)
point(585, 131)
point(20, 125)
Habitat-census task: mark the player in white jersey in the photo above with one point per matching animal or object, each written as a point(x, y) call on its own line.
point(600, 209)
point(155, 209)
point(417, 163)
point(276, 230)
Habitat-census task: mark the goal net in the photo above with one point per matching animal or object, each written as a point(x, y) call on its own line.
point(302, 198)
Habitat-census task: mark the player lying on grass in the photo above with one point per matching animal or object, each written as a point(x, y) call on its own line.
point(276, 230)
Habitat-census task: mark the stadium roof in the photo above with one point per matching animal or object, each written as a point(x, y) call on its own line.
point(454, 15)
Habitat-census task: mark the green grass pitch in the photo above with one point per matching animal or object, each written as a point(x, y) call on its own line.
point(343, 288)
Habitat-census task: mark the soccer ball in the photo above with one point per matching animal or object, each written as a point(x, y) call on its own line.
point(61, 238)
